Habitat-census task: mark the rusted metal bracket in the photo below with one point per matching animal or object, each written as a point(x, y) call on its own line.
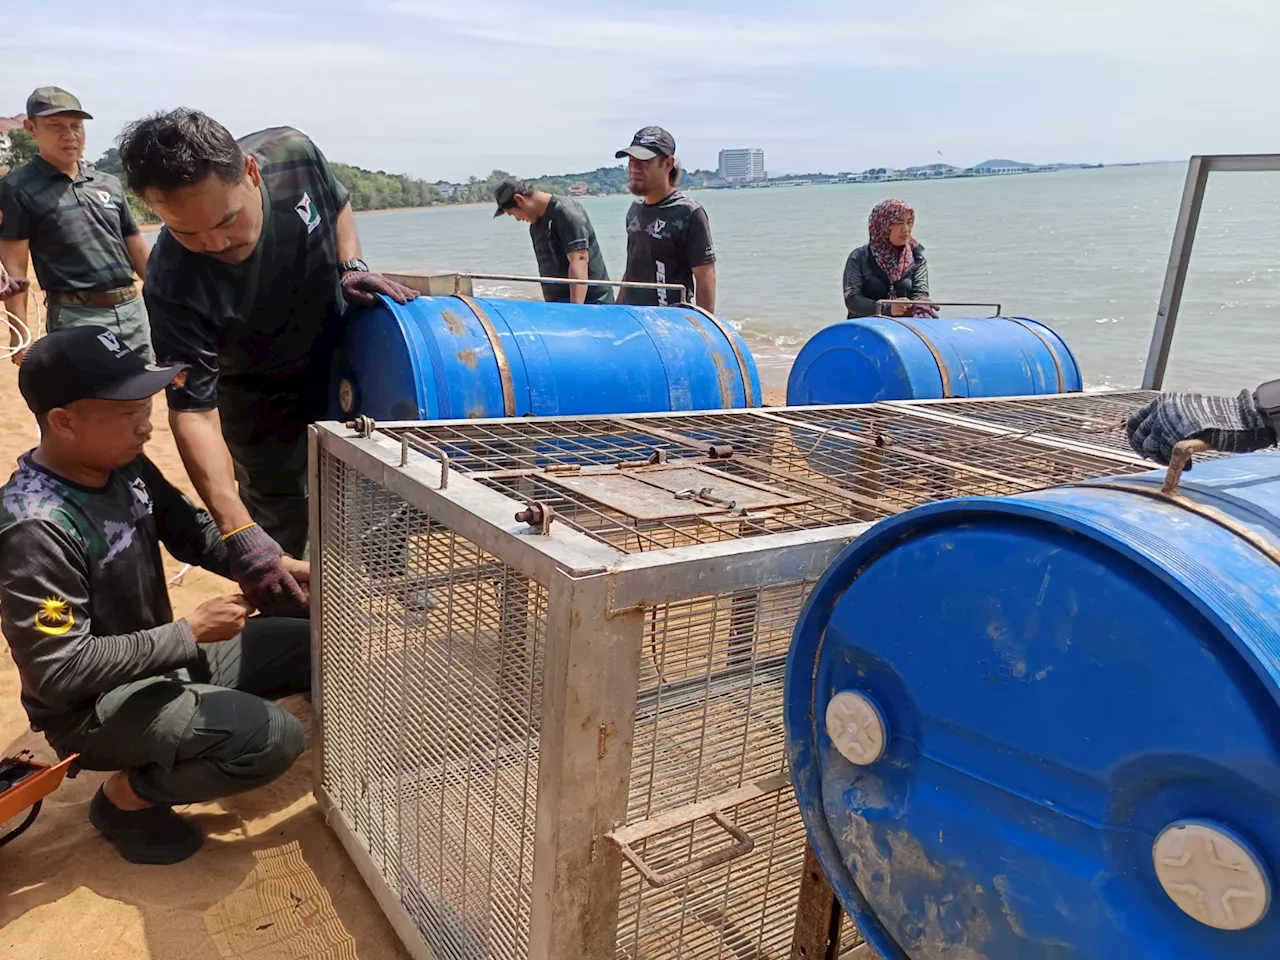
point(816, 935)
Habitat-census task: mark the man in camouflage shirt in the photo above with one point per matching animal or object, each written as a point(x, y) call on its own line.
point(246, 286)
point(75, 224)
point(564, 242)
point(176, 707)
point(668, 236)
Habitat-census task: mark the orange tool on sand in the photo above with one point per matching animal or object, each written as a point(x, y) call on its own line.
point(25, 783)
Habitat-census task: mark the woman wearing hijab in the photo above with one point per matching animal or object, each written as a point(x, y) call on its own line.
point(890, 267)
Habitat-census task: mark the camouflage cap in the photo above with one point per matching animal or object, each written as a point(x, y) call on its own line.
point(46, 101)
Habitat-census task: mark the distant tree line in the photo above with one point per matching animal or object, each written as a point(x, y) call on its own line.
point(377, 190)
point(599, 182)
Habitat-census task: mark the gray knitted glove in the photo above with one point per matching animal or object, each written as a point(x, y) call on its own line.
point(1228, 424)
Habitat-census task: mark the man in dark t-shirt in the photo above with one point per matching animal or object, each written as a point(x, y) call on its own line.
point(245, 286)
point(564, 242)
point(668, 236)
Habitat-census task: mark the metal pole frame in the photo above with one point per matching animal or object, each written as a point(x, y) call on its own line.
point(1184, 235)
point(597, 598)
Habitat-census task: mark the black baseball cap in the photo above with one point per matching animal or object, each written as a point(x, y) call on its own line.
point(87, 363)
point(506, 191)
point(47, 101)
point(649, 142)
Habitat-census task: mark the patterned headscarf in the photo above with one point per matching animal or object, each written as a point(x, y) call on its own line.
point(894, 261)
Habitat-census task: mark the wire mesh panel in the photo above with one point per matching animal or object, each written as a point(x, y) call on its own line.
point(1095, 418)
point(709, 722)
point(823, 466)
point(431, 684)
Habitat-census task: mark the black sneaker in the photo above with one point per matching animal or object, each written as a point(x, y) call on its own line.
point(152, 835)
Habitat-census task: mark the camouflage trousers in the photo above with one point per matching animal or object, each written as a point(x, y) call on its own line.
point(210, 730)
point(128, 321)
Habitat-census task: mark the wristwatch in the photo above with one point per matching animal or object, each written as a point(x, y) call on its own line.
point(1267, 399)
point(354, 265)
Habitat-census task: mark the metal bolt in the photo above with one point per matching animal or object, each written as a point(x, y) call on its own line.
point(856, 727)
point(531, 514)
point(537, 515)
point(1211, 875)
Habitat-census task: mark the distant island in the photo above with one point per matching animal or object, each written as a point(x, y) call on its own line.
point(378, 190)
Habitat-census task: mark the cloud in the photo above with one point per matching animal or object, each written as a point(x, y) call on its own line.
point(445, 89)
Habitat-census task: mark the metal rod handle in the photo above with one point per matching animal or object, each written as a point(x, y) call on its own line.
point(1182, 454)
point(743, 845)
point(517, 278)
point(937, 303)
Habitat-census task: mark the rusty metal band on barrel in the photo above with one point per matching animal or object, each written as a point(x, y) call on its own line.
point(500, 355)
point(1208, 513)
point(1057, 364)
point(737, 351)
point(937, 357)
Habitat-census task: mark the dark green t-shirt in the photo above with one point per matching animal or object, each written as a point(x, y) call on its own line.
point(564, 228)
point(258, 336)
point(76, 228)
point(665, 241)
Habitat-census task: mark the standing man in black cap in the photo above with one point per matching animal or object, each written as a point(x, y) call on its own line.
point(668, 235)
point(179, 709)
point(74, 222)
point(564, 242)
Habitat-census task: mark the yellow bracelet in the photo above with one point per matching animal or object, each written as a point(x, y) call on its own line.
point(238, 530)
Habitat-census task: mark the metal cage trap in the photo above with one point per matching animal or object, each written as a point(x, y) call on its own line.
point(561, 735)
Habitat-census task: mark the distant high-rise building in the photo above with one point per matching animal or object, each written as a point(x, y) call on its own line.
point(742, 166)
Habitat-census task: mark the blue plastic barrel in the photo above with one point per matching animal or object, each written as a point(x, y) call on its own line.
point(1049, 725)
point(439, 358)
point(883, 358)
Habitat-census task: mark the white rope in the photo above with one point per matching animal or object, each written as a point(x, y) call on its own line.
point(176, 579)
point(26, 336)
point(18, 326)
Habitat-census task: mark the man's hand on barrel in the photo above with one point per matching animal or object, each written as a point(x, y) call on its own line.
point(1228, 424)
point(269, 578)
point(361, 289)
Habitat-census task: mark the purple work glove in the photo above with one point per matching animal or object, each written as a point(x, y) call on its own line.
point(255, 561)
point(362, 289)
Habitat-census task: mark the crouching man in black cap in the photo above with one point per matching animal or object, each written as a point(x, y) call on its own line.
point(177, 708)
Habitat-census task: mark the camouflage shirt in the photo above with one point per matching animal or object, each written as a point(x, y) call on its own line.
point(76, 227)
point(564, 228)
point(83, 602)
point(665, 241)
point(263, 329)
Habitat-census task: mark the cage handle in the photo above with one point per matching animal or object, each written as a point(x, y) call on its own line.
point(1183, 451)
point(901, 302)
point(744, 845)
point(713, 808)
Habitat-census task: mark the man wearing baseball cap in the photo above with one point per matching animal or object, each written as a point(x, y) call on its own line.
point(176, 708)
point(564, 242)
point(668, 235)
point(74, 223)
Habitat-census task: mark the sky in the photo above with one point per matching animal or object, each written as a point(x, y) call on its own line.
point(443, 90)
